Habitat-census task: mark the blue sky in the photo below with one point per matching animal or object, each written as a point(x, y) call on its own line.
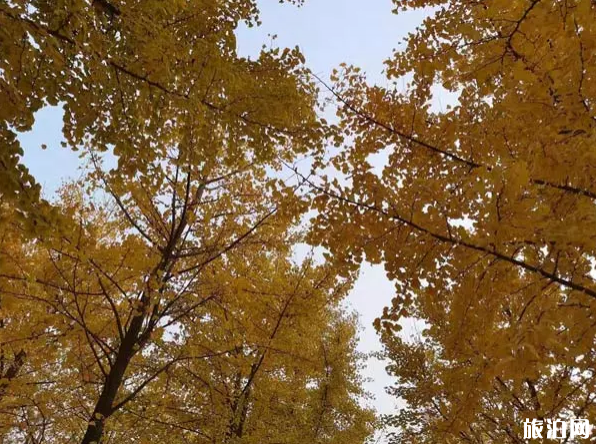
point(329, 32)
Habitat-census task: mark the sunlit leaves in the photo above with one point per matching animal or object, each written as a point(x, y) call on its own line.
point(483, 214)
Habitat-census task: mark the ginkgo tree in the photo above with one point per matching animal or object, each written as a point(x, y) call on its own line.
point(211, 339)
point(159, 300)
point(171, 308)
point(483, 214)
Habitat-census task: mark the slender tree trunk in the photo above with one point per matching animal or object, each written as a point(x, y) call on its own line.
point(104, 405)
point(133, 339)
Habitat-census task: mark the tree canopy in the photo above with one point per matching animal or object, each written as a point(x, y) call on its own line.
point(161, 300)
point(482, 214)
point(130, 74)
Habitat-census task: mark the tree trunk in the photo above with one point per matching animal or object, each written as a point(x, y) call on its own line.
point(103, 407)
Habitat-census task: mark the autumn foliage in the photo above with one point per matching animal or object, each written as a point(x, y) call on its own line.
point(162, 299)
point(483, 215)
